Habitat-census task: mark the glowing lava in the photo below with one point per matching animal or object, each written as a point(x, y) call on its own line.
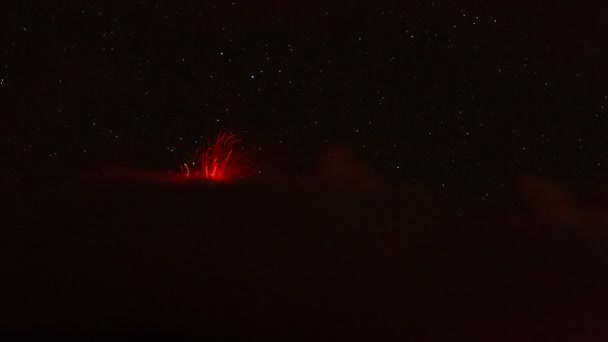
point(219, 162)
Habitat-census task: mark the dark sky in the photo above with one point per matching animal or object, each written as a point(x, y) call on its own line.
point(460, 96)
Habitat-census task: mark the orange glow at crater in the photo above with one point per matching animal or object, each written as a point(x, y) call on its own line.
point(218, 161)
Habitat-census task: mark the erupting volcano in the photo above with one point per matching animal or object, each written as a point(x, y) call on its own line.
point(219, 161)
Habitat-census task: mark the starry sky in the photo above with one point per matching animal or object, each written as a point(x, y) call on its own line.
point(461, 96)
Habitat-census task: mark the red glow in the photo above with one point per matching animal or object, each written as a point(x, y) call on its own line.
point(219, 161)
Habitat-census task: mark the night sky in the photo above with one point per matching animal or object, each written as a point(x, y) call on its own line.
point(458, 96)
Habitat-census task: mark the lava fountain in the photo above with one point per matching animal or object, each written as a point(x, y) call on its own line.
point(219, 161)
